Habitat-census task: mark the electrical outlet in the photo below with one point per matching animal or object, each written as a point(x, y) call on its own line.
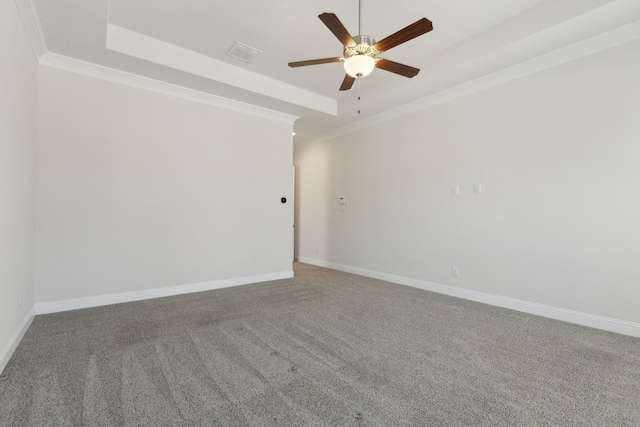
point(247, 262)
point(477, 188)
point(455, 271)
point(455, 190)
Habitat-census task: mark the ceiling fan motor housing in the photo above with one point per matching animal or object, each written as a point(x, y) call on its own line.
point(364, 46)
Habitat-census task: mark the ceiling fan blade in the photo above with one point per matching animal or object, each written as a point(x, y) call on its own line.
point(314, 62)
point(335, 26)
point(414, 30)
point(397, 68)
point(347, 83)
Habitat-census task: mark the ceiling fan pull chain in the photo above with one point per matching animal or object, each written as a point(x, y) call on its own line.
point(358, 95)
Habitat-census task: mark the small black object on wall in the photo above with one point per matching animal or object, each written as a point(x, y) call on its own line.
point(283, 200)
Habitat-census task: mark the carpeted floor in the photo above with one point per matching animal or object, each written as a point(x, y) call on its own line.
point(323, 349)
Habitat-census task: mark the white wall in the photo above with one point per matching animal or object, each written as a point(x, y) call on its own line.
point(558, 220)
point(17, 178)
point(138, 191)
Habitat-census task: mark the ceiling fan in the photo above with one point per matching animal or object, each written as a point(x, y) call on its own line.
point(360, 51)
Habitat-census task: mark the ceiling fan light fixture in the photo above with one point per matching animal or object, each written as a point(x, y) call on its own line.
point(359, 66)
point(359, 55)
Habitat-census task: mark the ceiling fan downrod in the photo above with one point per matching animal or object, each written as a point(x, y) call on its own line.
point(359, 17)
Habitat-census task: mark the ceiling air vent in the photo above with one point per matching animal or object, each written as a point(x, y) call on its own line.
point(243, 52)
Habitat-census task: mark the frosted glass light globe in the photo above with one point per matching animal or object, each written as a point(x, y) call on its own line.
point(359, 66)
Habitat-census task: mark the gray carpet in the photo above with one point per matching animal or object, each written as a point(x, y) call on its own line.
point(322, 349)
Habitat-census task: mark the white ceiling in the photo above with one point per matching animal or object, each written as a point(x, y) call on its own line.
point(184, 42)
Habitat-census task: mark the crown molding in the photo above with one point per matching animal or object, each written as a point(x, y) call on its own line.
point(159, 52)
point(89, 69)
point(31, 21)
point(590, 46)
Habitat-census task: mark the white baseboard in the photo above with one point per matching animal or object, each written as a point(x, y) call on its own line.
point(571, 316)
point(100, 300)
point(15, 339)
